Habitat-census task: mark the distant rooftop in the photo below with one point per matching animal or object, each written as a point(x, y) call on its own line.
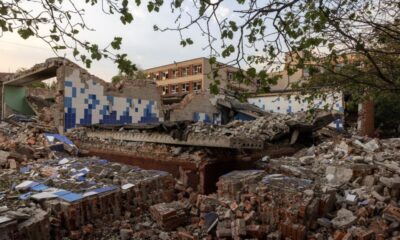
point(3, 75)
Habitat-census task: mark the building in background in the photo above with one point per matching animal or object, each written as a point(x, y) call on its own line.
point(194, 75)
point(285, 81)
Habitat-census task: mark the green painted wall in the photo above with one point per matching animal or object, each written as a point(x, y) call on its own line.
point(15, 99)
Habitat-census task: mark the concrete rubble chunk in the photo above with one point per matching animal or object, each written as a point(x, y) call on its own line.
point(343, 219)
point(338, 175)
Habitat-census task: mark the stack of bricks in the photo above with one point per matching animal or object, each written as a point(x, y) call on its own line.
point(171, 215)
point(286, 206)
point(119, 192)
point(268, 205)
point(36, 227)
point(111, 205)
point(232, 184)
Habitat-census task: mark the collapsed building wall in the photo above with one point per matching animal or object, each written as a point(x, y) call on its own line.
point(293, 102)
point(84, 99)
point(89, 100)
point(15, 100)
point(196, 107)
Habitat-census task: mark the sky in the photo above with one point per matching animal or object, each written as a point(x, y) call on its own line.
point(144, 46)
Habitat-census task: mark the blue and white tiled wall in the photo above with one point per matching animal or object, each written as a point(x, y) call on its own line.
point(85, 103)
point(290, 104)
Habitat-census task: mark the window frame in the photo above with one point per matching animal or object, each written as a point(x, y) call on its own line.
point(197, 86)
point(185, 87)
point(173, 89)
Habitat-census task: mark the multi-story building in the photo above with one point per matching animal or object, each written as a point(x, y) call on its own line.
point(286, 81)
point(194, 75)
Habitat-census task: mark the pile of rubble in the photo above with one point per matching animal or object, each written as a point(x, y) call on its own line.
point(265, 128)
point(23, 142)
point(76, 197)
point(343, 189)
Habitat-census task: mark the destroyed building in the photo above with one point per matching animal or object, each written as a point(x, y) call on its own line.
point(208, 167)
point(82, 98)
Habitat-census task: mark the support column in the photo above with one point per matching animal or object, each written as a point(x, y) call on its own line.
point(366, 115)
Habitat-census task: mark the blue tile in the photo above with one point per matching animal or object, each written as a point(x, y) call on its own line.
point(61, 192)
point(68, 83)
point(71, 197)
point(67, 102)
point(39, 187)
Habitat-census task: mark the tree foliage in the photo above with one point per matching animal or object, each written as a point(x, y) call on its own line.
point(59, 24)
point(252, 35)
point(121, 76)
point(318, 33)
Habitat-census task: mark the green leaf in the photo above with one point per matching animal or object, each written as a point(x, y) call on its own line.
point(212, 60)
point(88, 63)
point(55, 37)
point(251, 72)
point(150, 6)
point(189, 41)
point(178, 3)
point(183, 43)
point(75, 52)
point(230, 34)
point(25, 33)
point(233, 26)
point(126, 18)
point(116, 44)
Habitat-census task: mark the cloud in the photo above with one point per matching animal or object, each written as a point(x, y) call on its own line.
point(222, 12)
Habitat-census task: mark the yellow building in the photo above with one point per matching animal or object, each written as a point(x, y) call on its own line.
point(193, 75)
point(286, 81)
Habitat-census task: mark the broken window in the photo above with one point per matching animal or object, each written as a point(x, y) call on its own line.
point(165, 90)
point(197, 69)
point(185, 87)
point(166, 76)
point(174, 89)
point(196, 86)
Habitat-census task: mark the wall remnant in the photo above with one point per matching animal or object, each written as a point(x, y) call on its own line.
point(196, 107)
point(89, 100)
point(15, 100)
point(293, 102)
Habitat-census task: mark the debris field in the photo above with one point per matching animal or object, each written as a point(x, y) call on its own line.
point(343, 187)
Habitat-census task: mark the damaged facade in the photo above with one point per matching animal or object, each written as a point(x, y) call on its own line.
point(208, 167)
point(84, 99)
